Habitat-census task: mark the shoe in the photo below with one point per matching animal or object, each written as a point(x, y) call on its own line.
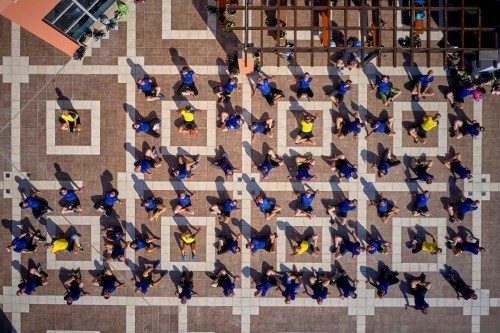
point(340, 71)
point(336, 105)
point(164, 273)
point(39, 268)
point(156, 264)
point(80, 248)
point(214, 165)
point(77, 132)
point(308, 155)
point(194, 257)
point(155, 152)
point(197, 158)
point(415, 141)
point(77, 275)
point(184, 258)
point(40, 237)
point(162, 97)
point(335, 131)
point(453, 106)
point(75, 212)
point(308, 99)
point(281, 275)
point(213, 212)
point(195, 165)
point(49, 210)
point(452, 219)
point(224, 155)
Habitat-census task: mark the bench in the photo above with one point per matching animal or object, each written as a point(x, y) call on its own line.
point(419, 26)
point(221, 12)
point(325, 19)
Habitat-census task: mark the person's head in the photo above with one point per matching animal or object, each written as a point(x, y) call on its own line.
point(145, 203)
point(303, 180)
point(380, 173)
point(106, 294)
point(307, 119)
point(63, 190)
point(48, 245)
point(306, 75)
point(385, 78)
point(481, 128)
point(249, 246)
point(234, 80)
point(429, 180)
point(470, 177)
point(185, 69)
point(437, 116)
point(473, 296)
point(348, 83)
point(23, 204)
point(361, 125)
point(424, 310)
point(260, 80)
point(370, 248)
point(309, 191)
point(354, 175)
point(427, 194)
point(113, 192)
point(137, 168)
point(230, 293)
point(257, 293)
point(141, 82)
point(360, 249)
point(263, 170)
point(252, 127)
point(439, 250)
point(319, 300)
point(20, 291)
point(121, 258)
point(353, 202)
point(9, 248)
point(133, 245)
point(175, 173)
point(135, 126)
point(353, 295)
point(236, 249)
point(69, 301)
point(182, 195)
point(240, 121)
point(380, 293)
point(481, 249)
point(234, 202)
point(64, 111)
point(288, 300)
point(183, 300)
point(430, 73)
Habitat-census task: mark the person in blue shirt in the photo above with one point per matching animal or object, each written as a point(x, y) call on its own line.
point(114, 251)
point(143, 243)
point(305, 208)
point(422, 86)
point(341, 209)
point(226, 244)
point(223, 92)
point(108, 282)
point(344, 126)
point(419, 289)
point(319, 288)
point(340, 164)
point(292, 284)
point(223, 280)
point(377, 245)
point(454, 164)
point(38, 205)
point(385, 209)
point(71, 202)
point(420, 204)
point(151, 127)
point(270, 94)
point(153, 207)
point(458, 210)
point(113, 234)
point(387, 161)
point(187, 87)
point(271, 161)
point(226, 166)
point(421, 169)
point(265, 127)
point(460, 287)
point(185, 206)
point(146, 281)
point(150, 88)
point(267, 243)
point(267, 281)
point(337, 95)
point(342, 245)
point(105, 206)
point(186, 166)
point(150, 161)
point(223, 210)
point(36, 278)
point(457, 97)
point(459, 245)
point(187, 287)
point(352, 57)
point(74, 288)
point(341, 280)
point(231, 122)
point(267, 206)
point(304, 90)
point(379, 126)
point(461, 128)
point(386, 90)
point(385, 279)
point(25, 243)
point(304, 164)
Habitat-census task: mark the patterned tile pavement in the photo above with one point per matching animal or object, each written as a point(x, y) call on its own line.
point(158, 38)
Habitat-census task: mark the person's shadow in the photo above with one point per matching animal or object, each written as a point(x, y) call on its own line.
point(64, 178)
point(63, 101)
point(136, 70)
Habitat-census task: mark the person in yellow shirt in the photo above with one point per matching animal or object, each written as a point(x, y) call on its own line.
point(72, 244)
point(418, 244)
point(188, 125)
point(188, 238)
point(306, 126)
point(72, 122)
point(419, 133)
point(303, 245)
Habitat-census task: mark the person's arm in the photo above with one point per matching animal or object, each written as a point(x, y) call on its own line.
point(355, 284)
point(81, 189)
point(197, 231)
point(194, 294)
point(419, 88)
point(316, 116)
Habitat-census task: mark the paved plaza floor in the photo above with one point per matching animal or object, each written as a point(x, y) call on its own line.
point(158, 39)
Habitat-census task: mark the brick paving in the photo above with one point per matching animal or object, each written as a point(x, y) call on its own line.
point(158, 38)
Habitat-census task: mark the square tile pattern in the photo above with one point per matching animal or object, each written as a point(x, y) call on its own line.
point(36, 81)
